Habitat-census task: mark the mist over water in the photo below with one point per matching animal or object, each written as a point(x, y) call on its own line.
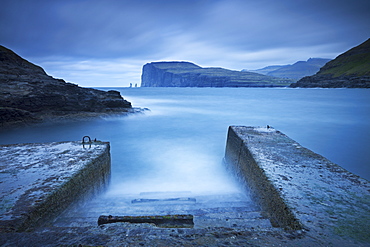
point(180, 143)
point(332, 122)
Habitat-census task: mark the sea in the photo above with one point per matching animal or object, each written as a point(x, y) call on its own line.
point(179, 143)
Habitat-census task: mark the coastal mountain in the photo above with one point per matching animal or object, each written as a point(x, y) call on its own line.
point(350, 69)
point(265, 70)
point(186, 74)
point(294, 71)
point(28, 94)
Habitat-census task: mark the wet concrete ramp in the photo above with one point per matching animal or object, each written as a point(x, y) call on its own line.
point(215, 210)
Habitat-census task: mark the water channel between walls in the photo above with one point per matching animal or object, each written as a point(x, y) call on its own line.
point(294, 190)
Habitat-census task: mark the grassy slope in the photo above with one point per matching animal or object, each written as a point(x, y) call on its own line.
point(355, 62)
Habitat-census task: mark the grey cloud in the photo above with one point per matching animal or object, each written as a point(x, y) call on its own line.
point(227, 33)
point(125, 28)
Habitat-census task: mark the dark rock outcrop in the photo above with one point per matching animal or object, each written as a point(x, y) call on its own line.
point(349, 70)
point(28, 94)
point(328, 81)
point(186, 74)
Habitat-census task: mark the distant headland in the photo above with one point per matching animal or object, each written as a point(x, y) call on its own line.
point(186, 74)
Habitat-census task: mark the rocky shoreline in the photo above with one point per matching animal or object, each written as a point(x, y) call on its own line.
point(328, 81)
point(11, 118)
point(28, 95)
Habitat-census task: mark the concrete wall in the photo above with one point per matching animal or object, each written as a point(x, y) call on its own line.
point(299, 189)
point(85, 183)
point(42, 180)
point(251, 175)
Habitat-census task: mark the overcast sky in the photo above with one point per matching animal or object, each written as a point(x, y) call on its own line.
point(106, 42)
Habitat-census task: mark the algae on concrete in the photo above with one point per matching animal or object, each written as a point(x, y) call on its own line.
point(299, 188)
point(38, 181)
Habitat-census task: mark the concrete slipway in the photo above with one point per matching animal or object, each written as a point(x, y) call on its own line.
point(308, 200)
point(38, 181)
point(299, 189)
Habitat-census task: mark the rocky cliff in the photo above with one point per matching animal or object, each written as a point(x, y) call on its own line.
point(350, 70)
point(28, 94)
point(294, 71)
point(185, 74)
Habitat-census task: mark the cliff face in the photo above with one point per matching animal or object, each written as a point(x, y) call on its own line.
point(185, 74)
point(350, 69)
point(27, 93)
point(166, 74)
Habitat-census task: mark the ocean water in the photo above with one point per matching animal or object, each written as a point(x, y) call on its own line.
point(332, 122)
point(179, 144)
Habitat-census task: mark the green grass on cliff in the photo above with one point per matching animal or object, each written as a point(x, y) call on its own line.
point(358, 65)
point(354, 62)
